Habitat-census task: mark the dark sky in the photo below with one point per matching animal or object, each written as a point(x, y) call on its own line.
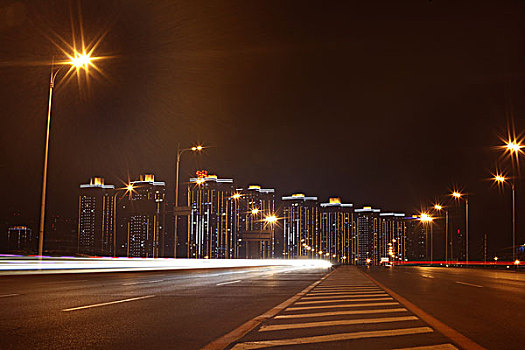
point(388, 103)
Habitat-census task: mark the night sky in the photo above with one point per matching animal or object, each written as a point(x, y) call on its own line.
point(384, 103)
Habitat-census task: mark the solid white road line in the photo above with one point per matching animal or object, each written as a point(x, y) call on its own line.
point(143, 282)
point(341, 300)
point(281, 327)
point(108, 303)
point(330, 337)
point(470, 284)
point(9, 295)
point(431, 347)
point(339, 306)
point(342, 295)
point(338, 313)
point(230, 282)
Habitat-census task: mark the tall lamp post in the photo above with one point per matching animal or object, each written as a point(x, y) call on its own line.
point(514, 147)
point(502, 179)
point(457, 195)
point(271, 220)
point(179, 154)
point(439, 207)
point(76, 61)
point(427, 220)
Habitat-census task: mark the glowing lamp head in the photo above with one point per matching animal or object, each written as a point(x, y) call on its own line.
point(438, 207)
point(255, 211)
point(271, 219)
point(496, 258)
point(499, 178)
point(425, 217)
point(513, 146)
point(456, 194)
point(197, 148)
point(200, 181)
point(129, 187)
point(80, 60)
point(368, 261)
point(236, 196)
point(516, 262)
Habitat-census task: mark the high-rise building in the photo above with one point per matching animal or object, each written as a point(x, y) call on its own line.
point(213, 221)
point(142, 217)
point(392, 233)
point(96, 218)
point(257, 235)
point(20, 238)
point(416, 237)
point(300, 226)
point(367, 223)
point(336, 231)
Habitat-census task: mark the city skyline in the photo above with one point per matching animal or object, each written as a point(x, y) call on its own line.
point(234, 174)
point(397, 126)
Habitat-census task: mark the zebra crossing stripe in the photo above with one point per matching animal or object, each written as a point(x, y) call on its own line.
point(338, 313)
point(339, 306)
point(281, 327)
point(432, 347)
point(331, 337)
point(341, 300)
point(342, 295)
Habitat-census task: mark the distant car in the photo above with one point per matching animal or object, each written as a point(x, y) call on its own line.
point(387, 265)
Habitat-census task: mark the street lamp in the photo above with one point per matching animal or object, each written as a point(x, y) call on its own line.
point(458, 195)
point(427, 219)
point(439, 207)
point(197, 148)
point(272, 220)
point(501, 179)
point(76, 61)
point(514, 147)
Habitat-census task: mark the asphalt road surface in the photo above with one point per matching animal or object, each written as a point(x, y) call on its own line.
point(487, 306)
point(139, 310)
point(190, 309)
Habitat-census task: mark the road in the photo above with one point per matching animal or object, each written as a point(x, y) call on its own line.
point(337, 310)
point(485, 305)
point(137, 310)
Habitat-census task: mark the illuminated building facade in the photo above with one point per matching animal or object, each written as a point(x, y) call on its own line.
point(142, 216)
point(336, 231)
point(392, 236)
point(257, 236)
point(214, 218)
point(416, 235)
point(96, 218)
point(20, 238)
point(300, 226)
point(367, 245)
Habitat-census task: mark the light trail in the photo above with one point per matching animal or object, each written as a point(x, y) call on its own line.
point(31, 265)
